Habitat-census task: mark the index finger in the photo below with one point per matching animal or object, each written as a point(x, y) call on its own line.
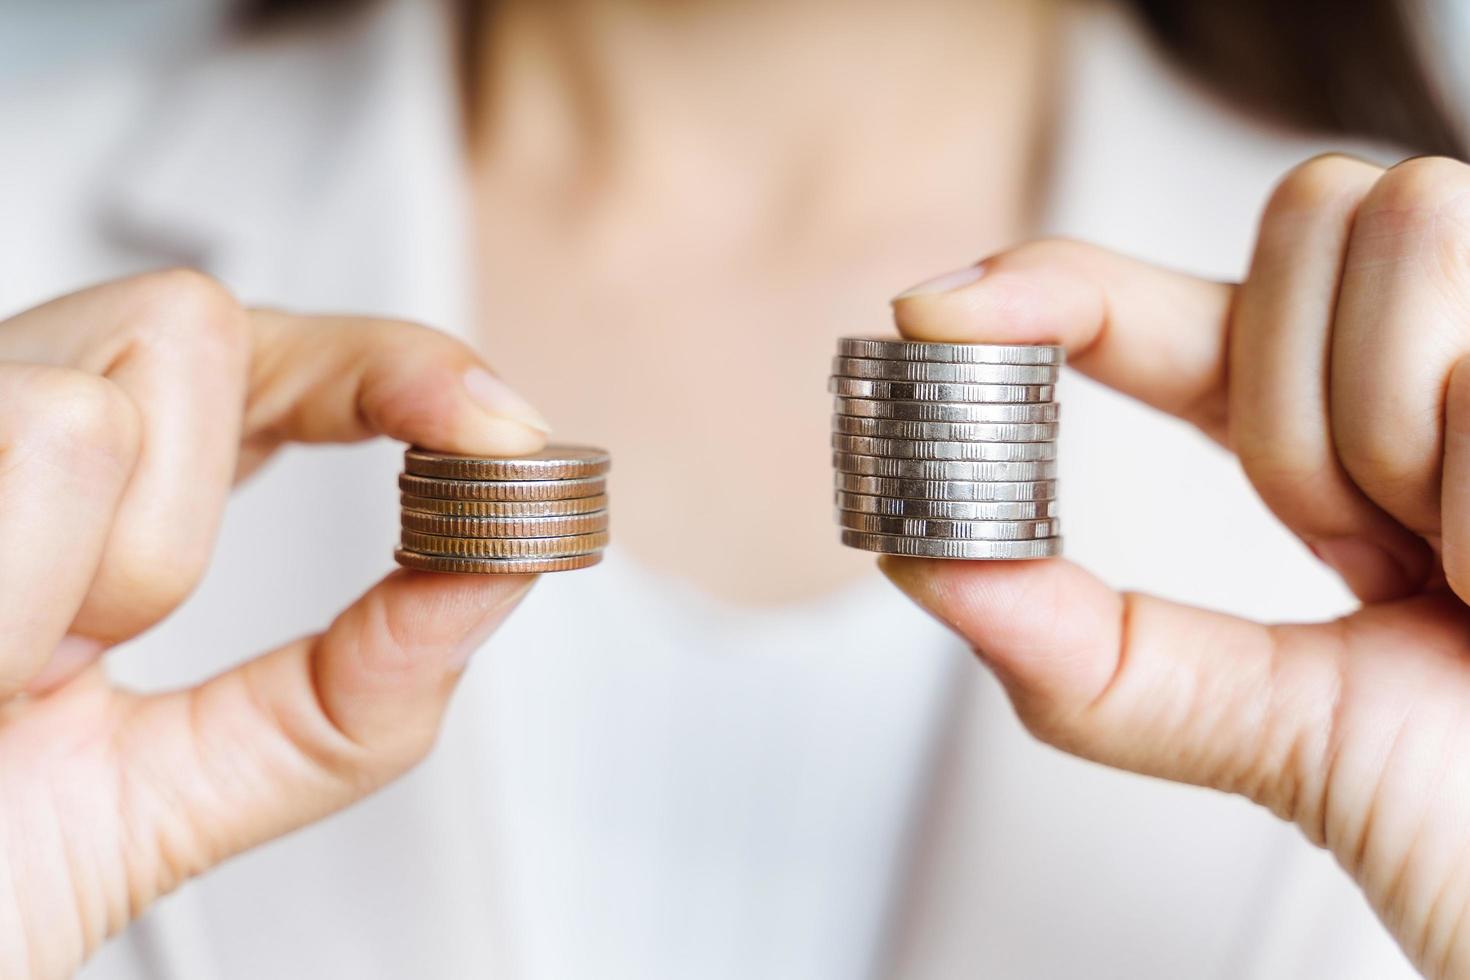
point(1156, 335)
point(342, 379)
point(310, 378)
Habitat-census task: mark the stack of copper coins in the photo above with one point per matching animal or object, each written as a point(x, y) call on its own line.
point(946, 450)
point(541, 513)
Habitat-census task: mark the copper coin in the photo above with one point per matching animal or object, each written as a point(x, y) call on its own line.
point(494, 566)
point(505, 527)
point(438, 544)
point(427, 486)
point(552, 463)
point(503, 508)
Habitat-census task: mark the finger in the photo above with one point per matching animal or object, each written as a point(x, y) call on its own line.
point(1279, 346)
point(1403, 322)
point(1158, 336)
point(303, 731)
point(334, 379)
point(68, 445)
point(176, 344)
point(1143, 684)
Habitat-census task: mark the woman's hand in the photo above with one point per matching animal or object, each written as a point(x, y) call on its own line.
point(126, 412)
point(1339, 373)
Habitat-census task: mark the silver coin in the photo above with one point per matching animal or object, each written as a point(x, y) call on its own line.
point(937, 391)
point(502, 508)
point(893, 544)
point(916, 411)
point(428, 486)
point(914, 350)
point(945, 431)
point(927, 449)
point(989, 374)
point(552, 463)
point(504, 527)
point(951, 510)
point(928, 527)
point(942, 469)
point(945, 490)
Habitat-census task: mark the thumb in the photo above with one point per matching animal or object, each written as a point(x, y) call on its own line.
point(290, 737)
point(1141, 683)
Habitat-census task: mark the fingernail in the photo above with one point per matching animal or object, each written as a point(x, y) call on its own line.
point(499, 398)
point(948, 282)
point(493, 616)
point(1370, 571)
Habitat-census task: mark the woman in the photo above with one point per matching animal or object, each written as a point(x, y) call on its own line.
point(704, 758)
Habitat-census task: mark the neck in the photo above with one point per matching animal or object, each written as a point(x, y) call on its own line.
point(762, 103)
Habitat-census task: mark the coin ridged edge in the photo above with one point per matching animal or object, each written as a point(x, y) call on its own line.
point(909, 410)
point(946, 450)
point(892, 544)
point(439, 544)
point(555, 526)
point(943, 469)
point(940, 391)
point(881, 369)
point(447, 507)
point(876, 428)
point(948, 353)
point(966, 491)
point(494, 566)
point(947, 510)
point(560, 463)
point(501, 490)
point(944, 529)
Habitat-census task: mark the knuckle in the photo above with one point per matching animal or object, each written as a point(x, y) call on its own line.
point(180, 287)
point(80, 417)
point(1426, 196)
point(309, 726)
point(186, 306)
point(382, 642)
point(1327, 182)
point(1052, 251)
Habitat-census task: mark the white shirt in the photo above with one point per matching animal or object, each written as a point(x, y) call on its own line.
point(638, 780)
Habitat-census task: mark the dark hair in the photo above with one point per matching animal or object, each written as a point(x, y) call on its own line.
point(1343, 67)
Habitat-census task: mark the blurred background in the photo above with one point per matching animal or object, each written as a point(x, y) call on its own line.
point(41, 36)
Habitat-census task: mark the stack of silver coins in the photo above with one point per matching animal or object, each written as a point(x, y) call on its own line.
point(946, 450)
point(541, 513)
